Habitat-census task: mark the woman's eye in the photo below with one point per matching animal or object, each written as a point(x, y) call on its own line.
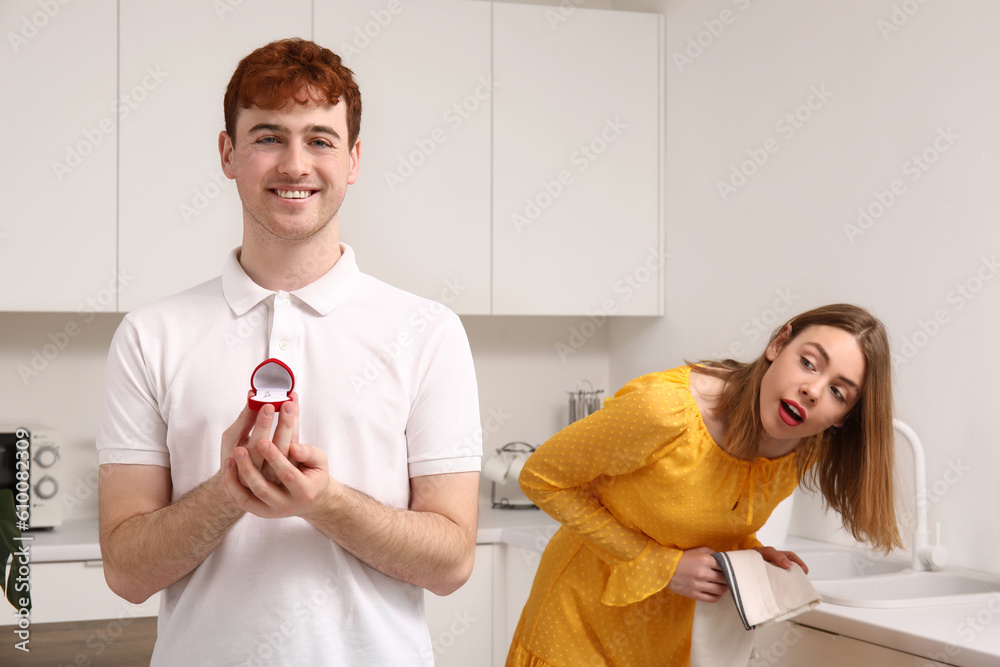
point(808, 364)
point(838, 393)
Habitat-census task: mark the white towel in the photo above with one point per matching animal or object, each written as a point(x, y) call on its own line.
point(761, 593)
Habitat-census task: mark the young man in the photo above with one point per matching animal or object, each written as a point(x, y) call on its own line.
point(311, 545)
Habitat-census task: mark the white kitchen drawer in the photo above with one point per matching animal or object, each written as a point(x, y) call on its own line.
point(77, 591)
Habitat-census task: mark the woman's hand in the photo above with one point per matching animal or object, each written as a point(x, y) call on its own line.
point(698, 576)
point(782, 559)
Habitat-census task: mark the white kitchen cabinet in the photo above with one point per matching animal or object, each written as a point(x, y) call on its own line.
point(419, 214)
point(461, 624)
point(77, 591)
point(790, 644)
point(519, 568)
point(577, 120)
point(62, 109)
point(510, 153)
point(442, 88)
point(179, 215)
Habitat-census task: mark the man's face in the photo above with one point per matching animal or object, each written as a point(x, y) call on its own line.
point(292, 167)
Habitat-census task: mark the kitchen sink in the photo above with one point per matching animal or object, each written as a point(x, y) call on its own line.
point(908, 589)
point(844, 564)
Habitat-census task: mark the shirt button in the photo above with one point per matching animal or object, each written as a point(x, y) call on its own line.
point(286, 302)
point(283, 345)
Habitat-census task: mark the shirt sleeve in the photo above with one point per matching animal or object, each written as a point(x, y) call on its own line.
point(638, 425)
point(443, 431)
point(130, 428)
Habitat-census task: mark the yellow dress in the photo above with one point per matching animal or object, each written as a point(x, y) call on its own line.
point(600, 595)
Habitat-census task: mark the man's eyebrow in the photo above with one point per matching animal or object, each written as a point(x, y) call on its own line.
point(268, 127)
point(826, 358)
point(324, 129)
point(312, 129)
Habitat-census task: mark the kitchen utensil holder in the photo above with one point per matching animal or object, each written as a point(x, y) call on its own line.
point(583, 402)
point(514, 449)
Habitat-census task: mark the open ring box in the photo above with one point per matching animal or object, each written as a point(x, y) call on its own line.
point(272, 382)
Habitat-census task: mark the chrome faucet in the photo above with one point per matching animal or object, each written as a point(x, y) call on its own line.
point(925, 555)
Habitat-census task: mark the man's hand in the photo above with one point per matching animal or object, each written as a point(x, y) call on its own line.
point(698, 576)
point(303, 480)
point(251, 427)
point(280, 477)
point(248, 429)
point(285, 434)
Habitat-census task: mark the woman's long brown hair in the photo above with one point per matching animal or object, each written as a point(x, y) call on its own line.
point(852, 466)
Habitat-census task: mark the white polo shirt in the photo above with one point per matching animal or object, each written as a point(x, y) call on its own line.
point(387, 389)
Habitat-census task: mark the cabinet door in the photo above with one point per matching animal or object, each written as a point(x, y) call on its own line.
point(179, 215)
point(419, 214)
point(519, 568)
point(61, 113)
point(461, 624)
point(576, 161)
point(790, 645)
point(76, 591)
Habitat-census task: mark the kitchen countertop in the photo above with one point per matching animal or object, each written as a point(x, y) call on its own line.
point(967, 635)
point(77, 540)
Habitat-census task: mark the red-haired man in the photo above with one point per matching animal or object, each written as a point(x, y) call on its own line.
point(311, 545)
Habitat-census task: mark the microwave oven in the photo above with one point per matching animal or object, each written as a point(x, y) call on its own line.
point(29, 467)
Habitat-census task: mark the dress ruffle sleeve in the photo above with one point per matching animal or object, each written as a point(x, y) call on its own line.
point(641, 423)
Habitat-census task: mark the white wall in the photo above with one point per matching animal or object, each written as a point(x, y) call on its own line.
point(887, 89)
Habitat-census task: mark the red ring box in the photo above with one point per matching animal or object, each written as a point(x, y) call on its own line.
point(272, 382)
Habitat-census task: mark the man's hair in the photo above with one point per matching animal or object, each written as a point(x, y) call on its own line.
point(292, 71)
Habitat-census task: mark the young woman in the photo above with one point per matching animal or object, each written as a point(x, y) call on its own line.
point(685, 462)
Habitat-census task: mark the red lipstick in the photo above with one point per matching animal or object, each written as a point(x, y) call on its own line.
point(791, 412)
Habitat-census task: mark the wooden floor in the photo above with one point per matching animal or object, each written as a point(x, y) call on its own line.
point(107, 643)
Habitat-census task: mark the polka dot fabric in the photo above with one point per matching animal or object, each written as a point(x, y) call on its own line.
point(633, 485)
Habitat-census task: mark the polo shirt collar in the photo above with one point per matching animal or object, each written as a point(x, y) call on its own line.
point(323, 295)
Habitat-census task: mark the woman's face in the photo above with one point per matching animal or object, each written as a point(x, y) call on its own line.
point(813, 382)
